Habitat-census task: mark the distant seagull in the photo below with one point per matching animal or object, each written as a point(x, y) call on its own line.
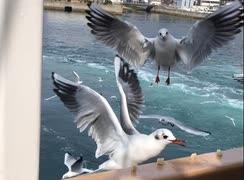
point(165, 120)
point(113, 97)
point(232, 120)
point(100, 79)
point(238, 77)
point(206, 35)
point(77, 78)
point(92, 111)
point(149, 8)
point(132, 102)
point(74, 165)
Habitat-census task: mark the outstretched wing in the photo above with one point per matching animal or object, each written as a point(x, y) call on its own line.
point(124, 37)
point(132, 99)
point(69, 160)
point(209, 34)
point(172, 121)
point(91, 111)
point(78, 165)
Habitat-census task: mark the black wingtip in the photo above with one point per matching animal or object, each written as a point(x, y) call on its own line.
point(93, 32)
point(90, 25)
point(69, 153)
point(55, 90)
point(80, 158)
point(89, 4)
point(121, 58)
point(88, 18)
point(117, 55)
point(88, 12)
point(53, 75)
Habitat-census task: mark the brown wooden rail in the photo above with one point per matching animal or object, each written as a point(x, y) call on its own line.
point(205, 167)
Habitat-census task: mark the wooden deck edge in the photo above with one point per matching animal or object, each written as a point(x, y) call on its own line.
point(205, 166)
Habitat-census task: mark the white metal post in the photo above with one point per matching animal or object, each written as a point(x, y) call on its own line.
point(20, 82)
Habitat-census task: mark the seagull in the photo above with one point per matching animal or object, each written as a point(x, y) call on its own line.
point(93, 112)
point(238, 77)
point(206, 35)
point(100, 79)
point(132, 102)
point(149, 8)
point(77, 78)
point(165, 120)
point(75, 166)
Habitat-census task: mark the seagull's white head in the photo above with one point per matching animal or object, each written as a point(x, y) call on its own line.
point(163, 34)
point(167, 137)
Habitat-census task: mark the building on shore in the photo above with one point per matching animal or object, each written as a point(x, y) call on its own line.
point(154, 2)
point(116, 1)
point(210, 3)
point(184, 3)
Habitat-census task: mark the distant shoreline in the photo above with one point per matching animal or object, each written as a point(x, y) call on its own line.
point(118, 9)
point(80, 7)
point(165, 10)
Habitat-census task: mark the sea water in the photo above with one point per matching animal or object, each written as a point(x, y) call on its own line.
point(208, 98)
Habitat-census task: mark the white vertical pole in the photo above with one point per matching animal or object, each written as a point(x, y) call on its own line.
point(20, 78)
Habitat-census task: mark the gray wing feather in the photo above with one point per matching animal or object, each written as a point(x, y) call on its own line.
point(91, 111)
point(69, 160)
point(122, 36)
point(170, 120)
point(78, 165)
point(131, 94)
point(133, 91)
point(209, 34)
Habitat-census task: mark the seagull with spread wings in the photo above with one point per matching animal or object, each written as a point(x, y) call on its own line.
point(124, 145)
point(204, 36)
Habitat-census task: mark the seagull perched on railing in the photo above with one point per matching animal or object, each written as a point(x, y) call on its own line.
point(74, 165)
point(92, 111)
point(204, 36)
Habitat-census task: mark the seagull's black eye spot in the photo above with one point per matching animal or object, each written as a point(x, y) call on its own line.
point(167, 33)
point(156, 137)
point(165, 137)
point(160, 34)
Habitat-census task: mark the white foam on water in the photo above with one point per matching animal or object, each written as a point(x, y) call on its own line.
point(203, 89)
point(78, 61)
point(45, 129)
point(67, 149)
point(146, 75)
point(208, 102)
point(48, 130)
point(61, 138)
point(96, 66)
point(235, 103)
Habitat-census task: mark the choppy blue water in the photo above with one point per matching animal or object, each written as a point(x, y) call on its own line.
point(207, 98)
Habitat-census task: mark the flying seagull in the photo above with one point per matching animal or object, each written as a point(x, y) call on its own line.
point(92, 111)
point(132, 102)
point(204, 36)
point(149, 8)
point(74, 165)
point(165, 120)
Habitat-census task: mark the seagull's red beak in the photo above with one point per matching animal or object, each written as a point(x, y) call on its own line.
point(178, 141)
